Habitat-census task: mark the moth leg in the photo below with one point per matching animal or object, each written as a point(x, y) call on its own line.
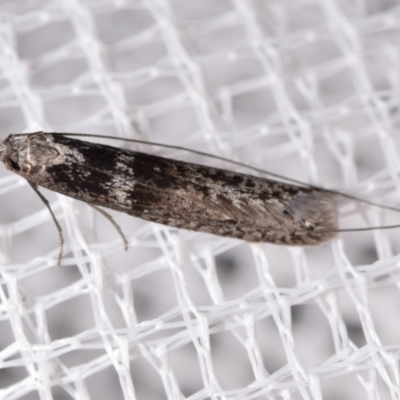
point(58, 226)
point(115, 225)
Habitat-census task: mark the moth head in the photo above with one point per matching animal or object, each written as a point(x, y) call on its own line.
point(27, 154)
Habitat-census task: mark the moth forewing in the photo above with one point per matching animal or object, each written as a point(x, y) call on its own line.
point(172, 192)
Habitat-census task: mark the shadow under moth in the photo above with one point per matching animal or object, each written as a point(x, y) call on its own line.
point(172, 192)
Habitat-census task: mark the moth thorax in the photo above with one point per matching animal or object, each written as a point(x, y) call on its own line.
point(40, 153)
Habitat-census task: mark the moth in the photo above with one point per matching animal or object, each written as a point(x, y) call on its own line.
point(172, 192)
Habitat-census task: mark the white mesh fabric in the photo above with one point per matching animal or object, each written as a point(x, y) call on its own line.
point(308, 89)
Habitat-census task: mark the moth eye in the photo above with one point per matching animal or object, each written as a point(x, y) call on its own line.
point(15, 166)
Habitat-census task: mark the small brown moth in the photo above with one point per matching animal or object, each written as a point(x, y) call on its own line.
point(172, 192)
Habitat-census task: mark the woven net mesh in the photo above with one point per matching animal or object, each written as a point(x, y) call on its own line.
point(308, 89)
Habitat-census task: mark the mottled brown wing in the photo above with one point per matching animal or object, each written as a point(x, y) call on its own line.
point(309, 218)
point(250, 212)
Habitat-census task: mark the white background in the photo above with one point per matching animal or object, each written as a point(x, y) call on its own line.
point(307, 89)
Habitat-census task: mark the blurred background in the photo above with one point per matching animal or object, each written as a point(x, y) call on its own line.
point(308, 89)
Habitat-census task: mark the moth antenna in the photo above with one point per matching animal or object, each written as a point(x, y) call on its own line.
point(114, 224)
point(238, 163)
point(58, 226)
point(370, 228)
